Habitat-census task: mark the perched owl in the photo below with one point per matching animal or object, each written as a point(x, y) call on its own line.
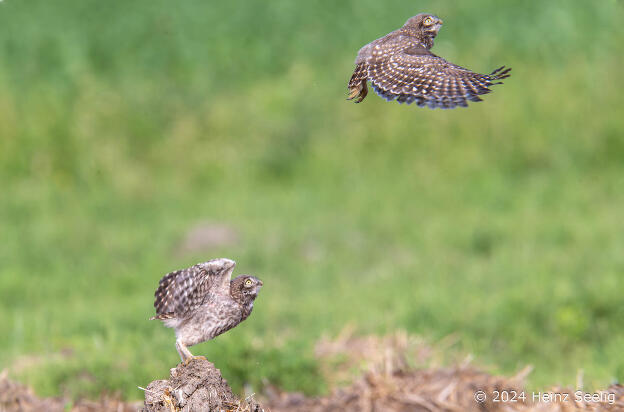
point(400, 66)
point(201, 302)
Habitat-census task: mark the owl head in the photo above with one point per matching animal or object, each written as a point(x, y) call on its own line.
point(245, 288)
point(426, 24)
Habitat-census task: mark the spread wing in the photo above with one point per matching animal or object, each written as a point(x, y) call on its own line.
point(414, 74)
point(180, 292)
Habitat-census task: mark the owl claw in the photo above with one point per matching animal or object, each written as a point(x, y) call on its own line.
point(188, 360)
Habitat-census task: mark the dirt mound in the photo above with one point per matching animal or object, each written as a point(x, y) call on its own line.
point(197, 386)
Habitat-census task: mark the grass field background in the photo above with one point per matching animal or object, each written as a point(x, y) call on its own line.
point(124, 124)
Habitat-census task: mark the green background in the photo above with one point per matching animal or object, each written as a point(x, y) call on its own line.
point(124, 124)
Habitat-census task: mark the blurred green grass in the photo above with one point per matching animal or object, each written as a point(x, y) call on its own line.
point(123, 124)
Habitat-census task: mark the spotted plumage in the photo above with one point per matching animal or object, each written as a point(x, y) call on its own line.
point(201, 302)
point(400, 67)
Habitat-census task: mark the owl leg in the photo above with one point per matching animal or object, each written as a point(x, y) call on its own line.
point(185, 355)
point(183, 351)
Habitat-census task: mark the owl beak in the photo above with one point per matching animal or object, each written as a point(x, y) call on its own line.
point(260, 282)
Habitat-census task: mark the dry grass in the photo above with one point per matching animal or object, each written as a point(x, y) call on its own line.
point(390, 381)
point(19, 398)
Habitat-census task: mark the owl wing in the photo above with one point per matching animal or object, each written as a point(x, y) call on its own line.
point(414, 74)
point(180, 292)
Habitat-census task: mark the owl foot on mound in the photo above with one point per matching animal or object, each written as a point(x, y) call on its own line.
point(188, 360)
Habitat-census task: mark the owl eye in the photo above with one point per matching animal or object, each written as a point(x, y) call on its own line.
point(248, 282)
point(428, 21)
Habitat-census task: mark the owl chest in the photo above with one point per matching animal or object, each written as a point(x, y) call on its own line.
point(209, 321)
point(221, 316)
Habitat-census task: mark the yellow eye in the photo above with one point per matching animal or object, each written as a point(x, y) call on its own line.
point(428, 21)
point(248, 282)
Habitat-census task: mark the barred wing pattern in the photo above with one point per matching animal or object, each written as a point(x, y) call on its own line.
point(401, 67)
point(419, 76)
point(180, 292)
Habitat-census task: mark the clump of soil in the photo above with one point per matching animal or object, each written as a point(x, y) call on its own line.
point(196, 386)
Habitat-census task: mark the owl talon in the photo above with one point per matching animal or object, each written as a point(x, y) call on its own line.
point(187, 361)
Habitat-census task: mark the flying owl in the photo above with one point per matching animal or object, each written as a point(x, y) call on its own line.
point(201, 302)
point(400, 66)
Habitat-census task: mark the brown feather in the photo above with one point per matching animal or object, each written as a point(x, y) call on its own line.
point(401, 67)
